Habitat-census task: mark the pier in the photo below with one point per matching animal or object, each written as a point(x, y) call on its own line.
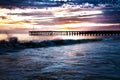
point(74, 33)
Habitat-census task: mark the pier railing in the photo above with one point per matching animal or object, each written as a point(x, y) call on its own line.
point(74, 33)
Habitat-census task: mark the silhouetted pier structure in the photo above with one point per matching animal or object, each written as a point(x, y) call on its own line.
point(74, 33)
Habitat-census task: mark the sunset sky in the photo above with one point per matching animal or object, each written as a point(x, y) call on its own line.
point(84, 16)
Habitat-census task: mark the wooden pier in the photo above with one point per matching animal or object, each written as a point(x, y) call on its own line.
point(74, 33)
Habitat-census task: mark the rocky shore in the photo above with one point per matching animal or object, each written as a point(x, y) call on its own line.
point(13, 43)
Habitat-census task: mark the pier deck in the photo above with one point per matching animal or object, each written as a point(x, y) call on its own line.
point(74, 33)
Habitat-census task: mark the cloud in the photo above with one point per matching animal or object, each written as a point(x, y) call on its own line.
point(56, 18)
point(41, 3)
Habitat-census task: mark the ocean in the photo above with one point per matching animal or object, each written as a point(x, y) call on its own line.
point(84, 61)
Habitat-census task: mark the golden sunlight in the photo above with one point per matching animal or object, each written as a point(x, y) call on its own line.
point(55, 18)
point(84, 24)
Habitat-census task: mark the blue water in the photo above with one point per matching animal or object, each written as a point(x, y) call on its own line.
point(85, 61)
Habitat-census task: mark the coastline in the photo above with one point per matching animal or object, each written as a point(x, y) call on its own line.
point(13, 45)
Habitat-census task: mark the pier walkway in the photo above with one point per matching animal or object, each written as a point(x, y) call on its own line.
point(74, 33)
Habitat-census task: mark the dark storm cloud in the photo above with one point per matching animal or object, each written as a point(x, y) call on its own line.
point(38, 2)
point(8, 2)
point(98, 1)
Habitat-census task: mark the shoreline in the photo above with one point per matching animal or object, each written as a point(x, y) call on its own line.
point(13, 45)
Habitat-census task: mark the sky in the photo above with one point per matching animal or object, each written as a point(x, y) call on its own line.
point(83, 17)
point(38, 2)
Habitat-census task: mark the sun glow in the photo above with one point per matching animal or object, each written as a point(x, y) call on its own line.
point(84, 24)
point(54, 18)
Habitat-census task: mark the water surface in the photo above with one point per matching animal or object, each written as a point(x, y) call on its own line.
point(92, 61)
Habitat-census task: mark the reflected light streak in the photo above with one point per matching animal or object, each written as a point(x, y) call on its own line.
point(74, 37)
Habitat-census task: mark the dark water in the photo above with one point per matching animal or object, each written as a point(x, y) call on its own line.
point(86, 61)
